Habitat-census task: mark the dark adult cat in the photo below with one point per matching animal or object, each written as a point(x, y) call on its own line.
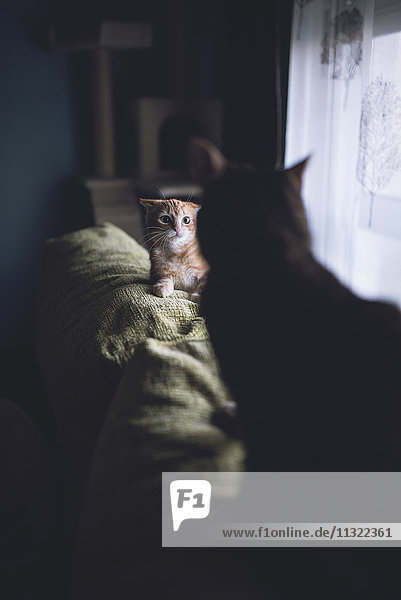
point(315, 369)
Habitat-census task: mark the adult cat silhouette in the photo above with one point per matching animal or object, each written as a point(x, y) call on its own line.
point(315, 369)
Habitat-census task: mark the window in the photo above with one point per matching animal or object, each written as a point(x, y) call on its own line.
point(344, 109)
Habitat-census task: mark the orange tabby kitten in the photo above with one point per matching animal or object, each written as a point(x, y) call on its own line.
point(177, 262)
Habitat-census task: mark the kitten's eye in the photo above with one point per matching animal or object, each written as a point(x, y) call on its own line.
point(165, 219)
point(186, 220)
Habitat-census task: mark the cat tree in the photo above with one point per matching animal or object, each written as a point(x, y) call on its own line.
point(162, 127)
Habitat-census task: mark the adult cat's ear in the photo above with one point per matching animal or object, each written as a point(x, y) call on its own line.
point(206, 162)
point(296, 173)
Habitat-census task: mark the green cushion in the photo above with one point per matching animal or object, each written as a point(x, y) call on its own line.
point(161, 419)
point(95, 313)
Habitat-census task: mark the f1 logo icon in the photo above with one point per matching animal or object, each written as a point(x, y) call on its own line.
point(190, 499)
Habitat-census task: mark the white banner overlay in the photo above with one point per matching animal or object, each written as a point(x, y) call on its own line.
point(284, 532)
point(281, 509)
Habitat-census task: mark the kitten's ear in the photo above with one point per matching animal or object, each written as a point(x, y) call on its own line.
point(196, 207)
point(206, 162)
point(148, 203)
point(296, 173)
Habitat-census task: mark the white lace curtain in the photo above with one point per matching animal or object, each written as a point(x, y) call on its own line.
point(344, 109)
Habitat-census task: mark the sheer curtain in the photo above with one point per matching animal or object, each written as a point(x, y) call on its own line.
point(344, 109)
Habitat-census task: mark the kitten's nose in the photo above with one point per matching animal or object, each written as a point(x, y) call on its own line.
point(177, 229)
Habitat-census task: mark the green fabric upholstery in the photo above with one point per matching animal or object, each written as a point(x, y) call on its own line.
point(161, 419)
point(95, 314)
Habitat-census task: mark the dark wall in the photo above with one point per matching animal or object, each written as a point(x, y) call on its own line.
point(38, 150)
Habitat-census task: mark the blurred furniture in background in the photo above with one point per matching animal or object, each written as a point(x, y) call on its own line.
point(114, 200)
point(162, 128)
point(99, 40)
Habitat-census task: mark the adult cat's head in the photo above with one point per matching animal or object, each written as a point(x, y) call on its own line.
point(170, 223)
point(249, 208)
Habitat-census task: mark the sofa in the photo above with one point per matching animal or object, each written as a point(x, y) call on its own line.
point(135, 390)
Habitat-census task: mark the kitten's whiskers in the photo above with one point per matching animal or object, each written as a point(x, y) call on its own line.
point(145, 237)
point(158, 236)
point(155, 236)
point(159, 189)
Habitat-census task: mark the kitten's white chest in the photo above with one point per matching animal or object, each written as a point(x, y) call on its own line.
point(185, 279)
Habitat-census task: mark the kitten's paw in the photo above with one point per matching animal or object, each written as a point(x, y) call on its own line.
point(195, 297)
point(163, 289)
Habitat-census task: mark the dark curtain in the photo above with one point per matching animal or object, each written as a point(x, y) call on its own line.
point(255, 39)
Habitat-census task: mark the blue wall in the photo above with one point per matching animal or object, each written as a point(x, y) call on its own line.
point(38, 150)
